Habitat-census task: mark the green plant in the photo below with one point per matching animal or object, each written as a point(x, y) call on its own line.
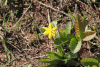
point(81, 33)
point(73, 41)
point(55, 59)
point(59, 60)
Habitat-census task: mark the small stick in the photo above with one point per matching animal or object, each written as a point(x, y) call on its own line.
point(40, 56)
point(97, 38)
point(22, 16)
point(51, 8)
point(15, 47)
point(48, 16)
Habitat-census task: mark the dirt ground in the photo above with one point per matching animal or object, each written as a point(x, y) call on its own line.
point(26, 39)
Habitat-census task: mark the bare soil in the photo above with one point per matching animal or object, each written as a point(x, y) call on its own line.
point(26, 39)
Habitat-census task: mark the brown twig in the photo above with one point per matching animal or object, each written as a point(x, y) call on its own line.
point(15, 47)
point(97, 38)
point(40, 56)
point(22, 16)
point(51, 8)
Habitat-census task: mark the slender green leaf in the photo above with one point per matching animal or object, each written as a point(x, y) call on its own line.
point(4, 18)
point(45, 66)
point(14, 0)
point(53, 55)
point(60, 49)
point(46, 60)
point(11, 12)
point(54, 61)
point(70, 14)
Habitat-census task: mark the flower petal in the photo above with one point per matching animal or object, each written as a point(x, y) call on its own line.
point(55, 28)
point(53, 34)
point(50, 31)
point(50, 25)
point(45, 33)
point(49, 36)
point(45, 28)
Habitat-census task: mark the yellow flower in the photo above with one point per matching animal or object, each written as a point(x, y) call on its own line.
point(50, 31)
